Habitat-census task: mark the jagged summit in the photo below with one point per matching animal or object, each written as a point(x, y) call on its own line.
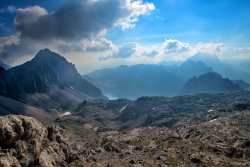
point(46, 55)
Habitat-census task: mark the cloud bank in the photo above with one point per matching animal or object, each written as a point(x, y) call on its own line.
point(78, 19)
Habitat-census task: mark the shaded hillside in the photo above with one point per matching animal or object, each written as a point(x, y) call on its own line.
point(138, 80)
point(242, 84)
point(208, 83)
point(225, 70)
point(9, 106)
point(189, 69)
point(47, 74)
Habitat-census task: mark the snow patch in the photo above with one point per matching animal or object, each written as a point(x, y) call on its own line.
point(72, 88)
point(213, 120)
point(210, 110)
point(66, 113)
point(153, 108)
point(123, 108)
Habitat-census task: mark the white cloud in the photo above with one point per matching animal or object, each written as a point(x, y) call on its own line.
point(211, 48)
point(175, 46)
point(124, 51)
point(87, 45)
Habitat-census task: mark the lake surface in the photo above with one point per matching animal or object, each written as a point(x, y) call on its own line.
point(111, 96)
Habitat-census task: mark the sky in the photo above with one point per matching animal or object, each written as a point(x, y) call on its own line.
point(97, 34)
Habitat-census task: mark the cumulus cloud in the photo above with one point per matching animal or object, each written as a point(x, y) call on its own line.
point(101, 45)
point(78, 19)
point(124, 51)
point(175, 46)
point(13, 47)
point(87, 45)
point(151, 53)
point(211, 48)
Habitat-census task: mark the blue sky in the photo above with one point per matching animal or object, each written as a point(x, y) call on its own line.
point(107, 33)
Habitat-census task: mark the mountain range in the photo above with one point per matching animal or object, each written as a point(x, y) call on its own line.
point(225, 70)
point(159, 80)
point(136, 81)
point(47, 81)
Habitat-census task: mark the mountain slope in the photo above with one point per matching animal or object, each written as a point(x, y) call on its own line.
point(209, 83)
point(47, 76)
point(242, 84)
point(138, 80)
point(10, 106)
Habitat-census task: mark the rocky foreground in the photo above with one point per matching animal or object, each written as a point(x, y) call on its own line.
point(24, 141)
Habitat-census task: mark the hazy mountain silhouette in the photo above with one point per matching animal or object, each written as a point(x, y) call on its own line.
point(102, 72)
point(189, 69)
point(242, 84)
point(170, 63)
point(209, 83)
point(242, 67)
point(225, 70)
point(138, 80)
point(5, 66)
point(46, 81)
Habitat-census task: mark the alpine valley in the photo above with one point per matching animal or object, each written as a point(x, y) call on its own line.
point(191, 113)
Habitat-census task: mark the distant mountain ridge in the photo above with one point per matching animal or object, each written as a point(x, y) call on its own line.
point(49, 74)
point(242, 84)
point(138, 80)
point(188, 69)
point(225, 70)
point(209, 83)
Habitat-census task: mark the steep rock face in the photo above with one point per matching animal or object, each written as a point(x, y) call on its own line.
point(209, 83)
point(24, 141)
point(47, 69)
point(8, 85)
